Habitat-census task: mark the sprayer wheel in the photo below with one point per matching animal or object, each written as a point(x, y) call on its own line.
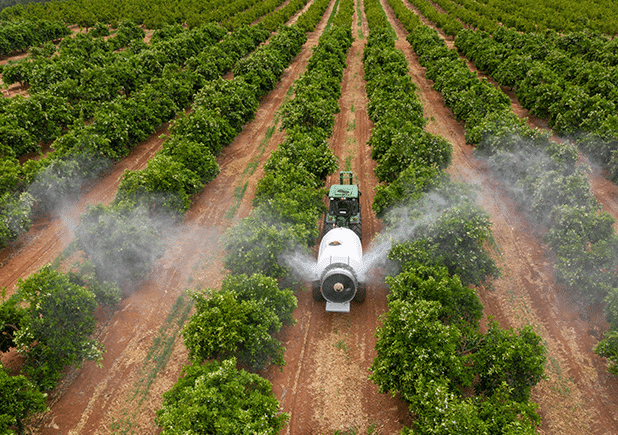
point(361, 292)
point(315, 289)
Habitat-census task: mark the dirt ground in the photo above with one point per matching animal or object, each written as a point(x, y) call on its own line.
point(324, 385)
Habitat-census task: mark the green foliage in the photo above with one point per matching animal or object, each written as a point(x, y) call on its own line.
point(193, 156)
point(506, 357)
point(552, 189)
point(310, 19)
point(164, 187)
point(145, 91)
point(300, 164)
point(409, 159)
point(99, 30)
point(112, 121)
point(43, 116)
point(428, 346)
point(212, 62)
point(56, 180)
point(303, 208)
point(307, 152)
point(55, 333)
point(262, 70)
point(449, 229)
point(11, 313)
point(407, 188)
point(166, 32)
point(216, 398)
point(19, 34)
point(106, 293)
point(308, 112)
point(225, 325)
point(470, 99)
point(122, 244)
point(505, 131)
point(608, 348)
point(410, 145)
point(15, 212)
point(460, 305)
point(442, 412)
point(86, 141)
point(126, 32)
point(504, 415)
point(234, 100)
point(255, 244)
point(205, 126)
point(280, 16)
point(382, 60)
point(429, 351)
point(376, 18)
point(265, 290)
point(19, 398)
point(18, 138)
point(586, 250)
point(414, 346)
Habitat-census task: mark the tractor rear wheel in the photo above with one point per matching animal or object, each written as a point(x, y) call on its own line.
point(358, 230)
point(327, 227)
point(315, 289)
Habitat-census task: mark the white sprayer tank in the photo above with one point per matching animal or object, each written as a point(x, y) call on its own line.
point(339, 261)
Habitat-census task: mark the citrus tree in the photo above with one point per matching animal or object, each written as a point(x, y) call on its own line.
point(18, 399)
point(225, 325)
point(55, 332)
point(216, 398)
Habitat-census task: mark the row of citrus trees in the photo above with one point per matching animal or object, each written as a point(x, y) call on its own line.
point(121, 242)
point(19, 35)
point(444, 20)
point(152, 14)
point(65, 87)
point(544, 177)
point(238, 323)
point(151, 89)
point(562, 16)
point(570, 79)
point(429, 348)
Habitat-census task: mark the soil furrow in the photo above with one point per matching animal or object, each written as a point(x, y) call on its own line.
point(328, 368)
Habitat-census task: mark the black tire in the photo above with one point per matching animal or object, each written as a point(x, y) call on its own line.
point(361, 292)
point(358, 230)
point(315, 289)
point(327, 228)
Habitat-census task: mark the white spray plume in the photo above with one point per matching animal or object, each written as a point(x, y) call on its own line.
point(302, 265)
point(375, 258)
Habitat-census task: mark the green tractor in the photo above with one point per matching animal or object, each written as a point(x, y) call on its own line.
point(344, 210)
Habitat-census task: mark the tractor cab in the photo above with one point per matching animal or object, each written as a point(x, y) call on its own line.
point(344, 208)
